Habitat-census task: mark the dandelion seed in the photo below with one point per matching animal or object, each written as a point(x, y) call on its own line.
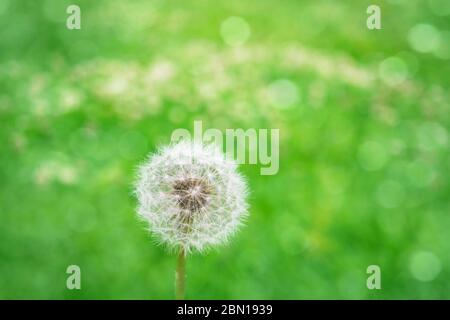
point(192, 197)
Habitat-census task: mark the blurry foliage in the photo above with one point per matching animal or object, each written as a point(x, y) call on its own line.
point(364, 163)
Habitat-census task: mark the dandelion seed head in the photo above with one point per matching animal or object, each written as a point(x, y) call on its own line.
point(191, 195)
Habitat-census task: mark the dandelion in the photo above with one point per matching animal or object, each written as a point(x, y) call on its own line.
point(192, 197)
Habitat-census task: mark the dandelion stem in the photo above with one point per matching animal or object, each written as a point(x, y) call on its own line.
point(180, 275)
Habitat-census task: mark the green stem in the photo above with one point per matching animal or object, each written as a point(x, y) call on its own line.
point(180, 275)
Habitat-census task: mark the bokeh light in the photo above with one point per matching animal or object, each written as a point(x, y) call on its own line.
point(424, 38)
point(425, 266)
point(235, 31)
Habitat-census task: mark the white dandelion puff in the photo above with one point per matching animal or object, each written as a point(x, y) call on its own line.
point(192, 196)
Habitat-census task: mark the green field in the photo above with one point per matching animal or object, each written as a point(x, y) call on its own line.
point(364, 144)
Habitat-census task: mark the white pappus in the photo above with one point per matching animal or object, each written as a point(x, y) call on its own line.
point(191, 195)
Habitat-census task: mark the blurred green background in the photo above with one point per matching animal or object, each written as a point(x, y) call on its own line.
point(364, 162)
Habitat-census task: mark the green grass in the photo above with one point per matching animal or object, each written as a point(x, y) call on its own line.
point(364, 165)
